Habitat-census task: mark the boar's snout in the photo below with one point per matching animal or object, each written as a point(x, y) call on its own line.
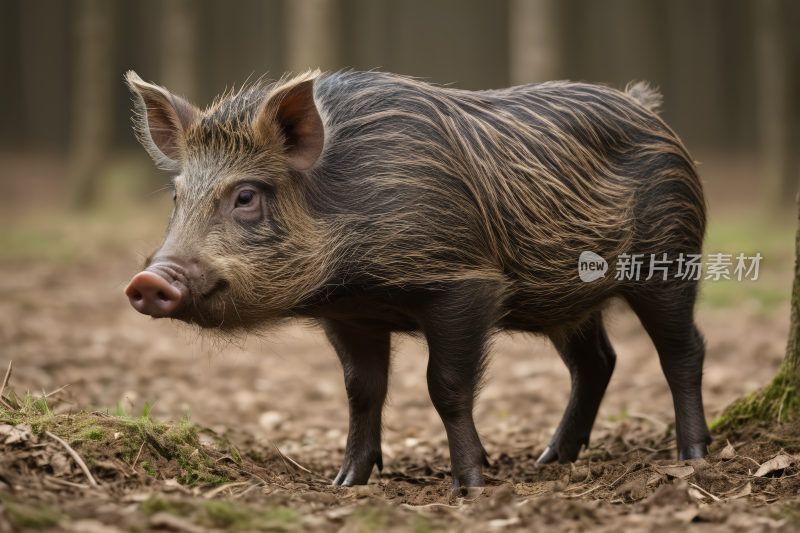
point(151, 294)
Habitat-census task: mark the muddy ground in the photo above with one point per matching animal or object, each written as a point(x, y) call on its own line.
point(65, 320)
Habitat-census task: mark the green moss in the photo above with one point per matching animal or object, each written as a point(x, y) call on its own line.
point(24, 515)
point(125, 436)
point(777, 402)
point(622, 416)
point(236, 517)
point(373, 519)
point(147, 467)
point(423, 525)
point(159, 504)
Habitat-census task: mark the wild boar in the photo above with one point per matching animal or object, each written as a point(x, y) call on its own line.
point(372, 204)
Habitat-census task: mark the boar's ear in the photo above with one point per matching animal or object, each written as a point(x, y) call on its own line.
point(291, 109)
point(161, 120)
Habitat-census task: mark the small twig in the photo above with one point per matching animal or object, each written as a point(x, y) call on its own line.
point(649, 419)
point(66, 483)
point(304, 469)
point(749, 458)
point(55, 391)
point(248, 489)
point(645, 448)
point(704, 492)
point(8, 376)
point(285, 465)
point(133, 466)
point(780, 409)
point(7, 406)
point(3, 388)
point(213, 492)
point(585, 493)
point(623, 474)
point(76, 457)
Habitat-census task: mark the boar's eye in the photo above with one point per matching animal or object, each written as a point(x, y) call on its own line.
point(246, 205)
point(244, 198)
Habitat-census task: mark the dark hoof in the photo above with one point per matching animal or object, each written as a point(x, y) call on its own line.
point(466, 494)
point(355, 474)
point(694, 451)
point(549, 455)
point(563, 451)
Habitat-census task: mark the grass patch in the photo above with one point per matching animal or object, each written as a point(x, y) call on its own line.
point(751, 235)
point(24, 515)
point(173, 447)
point(236, 517)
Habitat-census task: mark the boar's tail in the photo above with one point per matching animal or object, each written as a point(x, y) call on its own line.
point(644, 93)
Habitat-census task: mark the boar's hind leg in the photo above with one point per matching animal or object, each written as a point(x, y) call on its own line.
point(590, 358)
point(457, 326)
point(668, 318)
point(364, 354)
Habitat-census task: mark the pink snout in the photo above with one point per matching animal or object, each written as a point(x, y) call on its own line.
point(150, 294)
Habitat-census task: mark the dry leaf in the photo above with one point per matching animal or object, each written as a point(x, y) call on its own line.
point(676, 471)
point(739, 493)
point(696, 494)
point(18, 433)
point(61, 464)
point(776, 463)
point(655, 478)
point(728, 452)
point(635, 489)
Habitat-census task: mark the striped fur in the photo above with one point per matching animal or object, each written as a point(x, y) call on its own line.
point(420, 185)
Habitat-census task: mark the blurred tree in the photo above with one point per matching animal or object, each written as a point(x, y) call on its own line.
point(313, 34)
point(780, 399)
point(533, 35)
point(775, 144)
point(92, 103)
point(179, 47)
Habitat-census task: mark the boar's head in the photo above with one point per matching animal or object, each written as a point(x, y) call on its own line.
point(240, 241)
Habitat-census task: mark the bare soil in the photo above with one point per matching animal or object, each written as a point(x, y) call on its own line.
point(65, 320)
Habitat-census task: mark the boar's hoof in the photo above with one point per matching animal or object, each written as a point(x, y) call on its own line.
point(353, 473)
point(549, 455)
point(465, 494)
point(694, 451)
point(562, 452)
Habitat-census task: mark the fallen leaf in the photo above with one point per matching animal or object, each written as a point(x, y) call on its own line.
point(776, 463)
point(728, 452)
point(739, 493)
point(61, 464)
point(634, 488)
point(655, 478)
point(676, 471)
point(18, 433)
point(696, 494)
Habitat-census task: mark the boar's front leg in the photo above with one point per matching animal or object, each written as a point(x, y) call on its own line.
point(457, 326)
point(364, 354)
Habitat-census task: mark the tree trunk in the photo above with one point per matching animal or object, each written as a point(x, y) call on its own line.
point(92, 103)
point(779, 400)
point(178, 47)
point(778, 174)
point(313, 37)
point(534, 54)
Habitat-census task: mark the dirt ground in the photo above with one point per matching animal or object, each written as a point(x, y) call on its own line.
point(64, 320)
